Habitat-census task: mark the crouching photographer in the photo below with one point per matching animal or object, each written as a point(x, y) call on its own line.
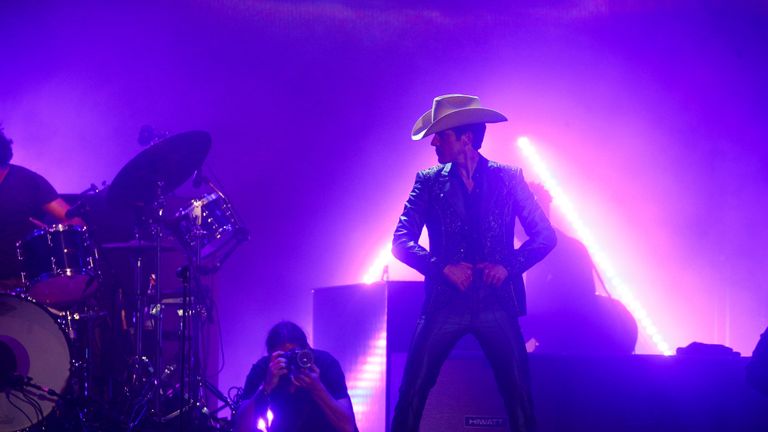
point(304, 388)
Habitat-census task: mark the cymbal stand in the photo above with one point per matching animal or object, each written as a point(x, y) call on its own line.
point(189, 364)
point(192, 384)
point(157, 233)
point(144, 372)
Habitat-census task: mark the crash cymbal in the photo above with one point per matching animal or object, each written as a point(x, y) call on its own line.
point(160, 168)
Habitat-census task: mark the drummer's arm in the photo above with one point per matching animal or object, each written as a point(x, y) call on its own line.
point(58, 209)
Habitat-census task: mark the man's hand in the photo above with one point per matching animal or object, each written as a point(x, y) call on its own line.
point(277, 368)
point(309, 379)
point(493, 274)
point(459, 274)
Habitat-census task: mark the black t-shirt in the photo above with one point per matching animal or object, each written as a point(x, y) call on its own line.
point(23, 193)
point(297, 411)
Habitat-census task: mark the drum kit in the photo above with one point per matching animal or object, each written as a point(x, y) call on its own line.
point(81, 349)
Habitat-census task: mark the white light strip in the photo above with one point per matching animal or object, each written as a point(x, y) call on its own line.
point(375, 272)
point(600, 258)
point(367, 378)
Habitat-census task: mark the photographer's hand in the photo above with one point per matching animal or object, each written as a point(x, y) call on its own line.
point(277, 368)
point(256, 406)
point(309, 379)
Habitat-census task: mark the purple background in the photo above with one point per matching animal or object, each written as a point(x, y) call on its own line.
point(653, 118)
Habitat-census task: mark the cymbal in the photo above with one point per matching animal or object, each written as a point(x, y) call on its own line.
point(139, 245)
point(160, 168)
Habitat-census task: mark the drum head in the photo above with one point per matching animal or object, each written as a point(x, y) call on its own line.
point(217, 225)
point(34, 347)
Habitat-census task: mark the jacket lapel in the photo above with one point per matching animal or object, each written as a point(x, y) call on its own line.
point(488, 190)
point(451, 191)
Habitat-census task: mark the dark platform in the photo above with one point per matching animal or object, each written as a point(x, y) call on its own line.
point(587, 393)
point(623, 393)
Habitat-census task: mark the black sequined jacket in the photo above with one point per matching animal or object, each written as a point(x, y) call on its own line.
point(437, 201)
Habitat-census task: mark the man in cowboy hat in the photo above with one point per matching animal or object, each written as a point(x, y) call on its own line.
point(473, 273)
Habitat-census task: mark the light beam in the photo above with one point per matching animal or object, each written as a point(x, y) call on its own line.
point(563, 202)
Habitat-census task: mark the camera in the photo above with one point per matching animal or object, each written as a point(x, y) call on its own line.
point(298, 359)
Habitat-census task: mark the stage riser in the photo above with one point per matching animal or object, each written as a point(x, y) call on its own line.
point(633, 393)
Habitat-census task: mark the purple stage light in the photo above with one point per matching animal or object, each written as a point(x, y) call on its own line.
point(600, 258)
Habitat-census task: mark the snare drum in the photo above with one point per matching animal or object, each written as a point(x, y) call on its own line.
point(58, 264)
point(209, 222)
point(33, 345)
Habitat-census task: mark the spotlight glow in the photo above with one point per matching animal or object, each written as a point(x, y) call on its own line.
point(378, 270)
point(622, 290)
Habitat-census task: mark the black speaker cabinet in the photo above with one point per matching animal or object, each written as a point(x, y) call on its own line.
point(348, 319)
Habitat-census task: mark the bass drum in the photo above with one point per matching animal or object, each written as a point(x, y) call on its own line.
point(34, 353)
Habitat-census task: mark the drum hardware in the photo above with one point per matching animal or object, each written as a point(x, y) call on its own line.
point(142, 316)
point(140, 387)
point(189, 376)
point(226, 401)
point(207, 230)
point(140, 245)
point(68, 317)
point(145, 181)
point(143, 184)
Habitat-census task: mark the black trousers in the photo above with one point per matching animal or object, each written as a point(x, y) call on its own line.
point(499, 335)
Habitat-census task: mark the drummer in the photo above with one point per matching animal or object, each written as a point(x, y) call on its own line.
point(25, 198)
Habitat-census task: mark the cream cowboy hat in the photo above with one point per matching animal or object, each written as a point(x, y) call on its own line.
point(453, 110)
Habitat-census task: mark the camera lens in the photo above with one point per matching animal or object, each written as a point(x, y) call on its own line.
point(304, 358)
